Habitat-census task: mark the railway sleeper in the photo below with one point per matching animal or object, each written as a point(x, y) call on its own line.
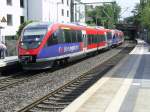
point(43, 105)
point(60, 100)
point(69, 93)
point(57, 103)
point(66, 96)
point(48, 109)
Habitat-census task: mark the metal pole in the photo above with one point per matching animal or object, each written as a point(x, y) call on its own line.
point(72, 10)
point(57, 11)
point(27, 10)
point(75, 13)
point(49, 11)
point(79, 13)
point(0, 34)
point(96, 20)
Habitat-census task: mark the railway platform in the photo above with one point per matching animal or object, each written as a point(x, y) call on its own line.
point(126, 88)
point(8, 61)
point(11, 60)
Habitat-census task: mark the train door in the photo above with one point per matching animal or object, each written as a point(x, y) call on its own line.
point(106, 39)
point(84, 37)
point(97, 40)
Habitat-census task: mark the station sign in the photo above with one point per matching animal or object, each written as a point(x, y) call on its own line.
point(3, 22)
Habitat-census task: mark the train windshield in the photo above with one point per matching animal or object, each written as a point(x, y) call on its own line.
point(32, 37)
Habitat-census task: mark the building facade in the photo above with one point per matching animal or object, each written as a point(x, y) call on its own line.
point(16, 12)
point(79, 11)
point(49, 10)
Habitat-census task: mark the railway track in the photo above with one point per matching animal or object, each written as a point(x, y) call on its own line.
point(57, 100)
point(23, 76)
point(16, 79)
point(20, 77)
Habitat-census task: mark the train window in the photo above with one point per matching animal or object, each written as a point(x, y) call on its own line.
point(95, 39)
point(74, 39)
point(109, 35)
point(61, 38)
point(92, 39)
point(103, 37)
point(79, 36)
point(99, 38)
point(53, 39)
point(67, 36)
point(89, 39)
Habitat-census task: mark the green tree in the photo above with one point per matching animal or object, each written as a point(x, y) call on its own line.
point(21, 28)
point(142, 13)
point(106, 15)
point(145, 17)
point(142, 18)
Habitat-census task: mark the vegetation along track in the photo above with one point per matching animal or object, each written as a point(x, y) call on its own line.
point(57, 100)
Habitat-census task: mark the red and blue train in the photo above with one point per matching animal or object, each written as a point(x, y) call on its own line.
point(43, 44)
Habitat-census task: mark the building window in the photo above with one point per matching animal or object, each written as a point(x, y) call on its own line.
point(9, 20)
point(22, 3)
point(62, 12)
point(68, 2)
point(21, 19)
point(67, 13)
point(62, 1)
point(9, 2)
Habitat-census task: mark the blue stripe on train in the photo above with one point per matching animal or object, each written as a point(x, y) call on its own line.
point(59, 49)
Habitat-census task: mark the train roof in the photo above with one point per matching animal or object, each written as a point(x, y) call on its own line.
point(36, 25)
point(73, 25)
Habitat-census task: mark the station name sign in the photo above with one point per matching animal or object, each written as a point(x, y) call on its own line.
point(3, 20)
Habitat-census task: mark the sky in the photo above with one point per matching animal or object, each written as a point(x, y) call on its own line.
point(126, 5)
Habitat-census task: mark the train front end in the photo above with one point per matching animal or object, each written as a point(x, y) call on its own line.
point(30, 44)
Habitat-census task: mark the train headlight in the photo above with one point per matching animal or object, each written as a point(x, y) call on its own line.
point(39, 43)
point(22, 44)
